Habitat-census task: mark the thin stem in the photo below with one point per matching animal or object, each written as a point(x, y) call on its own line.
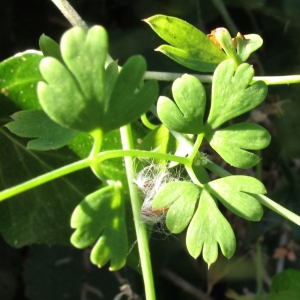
point(37, 181)
point(98, 137)
point(269, 80)
point(74, 18)
point(70, 13)
point(147, 123)
point(140, 228)
point(196, 147)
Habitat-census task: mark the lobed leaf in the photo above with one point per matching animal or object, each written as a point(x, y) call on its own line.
point(99, 219)
point(233, 142)
point(231, 93)
point(182, 196)
point(247, 44)
point(186, 115)
point(193, 50)
point(235, 194)
point(207, 229)
point(36, 124)
point(127, 103)
point(73, 95)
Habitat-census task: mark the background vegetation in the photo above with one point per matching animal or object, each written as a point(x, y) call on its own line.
point(265, 248)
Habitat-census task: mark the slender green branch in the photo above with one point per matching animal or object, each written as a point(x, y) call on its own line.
point(269, 80)
point(98, 137)
point(70, 13)
point(147, 123)
point(140, 228)
point(37, 181)
point(196, 147)
point(167, 76)
point(74, 18)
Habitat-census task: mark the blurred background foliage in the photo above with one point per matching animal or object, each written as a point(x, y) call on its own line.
point(264, 248)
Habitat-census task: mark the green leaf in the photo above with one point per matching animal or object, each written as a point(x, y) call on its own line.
point(41, 215)
point(207, 229)
point(36, 124)
point(231, 143)
point(193, 50)
point(19, 76)
point(50, 48)
point(285, 285)
point(186, 115)
point(247, 44)
point(235, 194)
point(99, 219)
point(73, 95)
point(127, 103)
point(182, 196)
point(231, 95)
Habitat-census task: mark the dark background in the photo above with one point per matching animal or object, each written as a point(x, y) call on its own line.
point(43, 272)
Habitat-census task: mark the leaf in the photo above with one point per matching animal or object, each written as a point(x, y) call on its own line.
point(235, 194)
point(285, 285)
point(182, 196)
point(50, 48)
point(247, 44)
point(73, 95)
point(231, 95)
point(36, 124)
point(40, 215)
point(193, 50)
point(186, 115)
point(99, 219)
point(126, 103)
point(232, 141)
point(19, 76)
point(207, 229)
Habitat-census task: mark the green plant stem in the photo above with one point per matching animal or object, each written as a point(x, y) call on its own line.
point(196, 147)
point(37, 181)
point(70, 13)
point(98, 137)
point(269, 80)
point(140, 228)
point(74, 18)
point(147, 123)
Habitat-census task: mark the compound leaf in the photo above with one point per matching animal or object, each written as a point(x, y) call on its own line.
point(232, 141)
point(207, 229)
point(181, 197)
point(99, 219)
point(231, 95)
point(36, 124)
point(186, 115)
point(193, 50)
point(235, 194)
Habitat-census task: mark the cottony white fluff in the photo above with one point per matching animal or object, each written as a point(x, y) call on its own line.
point(149, 180)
